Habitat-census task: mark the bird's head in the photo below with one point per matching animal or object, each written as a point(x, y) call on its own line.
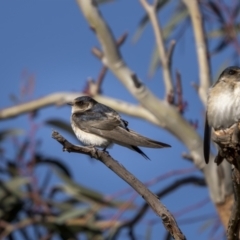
point(82, 104)
point(230, 77)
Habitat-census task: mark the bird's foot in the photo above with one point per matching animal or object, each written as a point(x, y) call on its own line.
point(94, 149)
point(105, 150)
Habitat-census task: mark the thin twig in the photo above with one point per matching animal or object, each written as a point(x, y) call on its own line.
point(104, 68)
point(163, 55)
point(153, 201)
point(180, 104)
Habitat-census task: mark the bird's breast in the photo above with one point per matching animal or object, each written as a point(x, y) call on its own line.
point(223, 108)
point(89, 138)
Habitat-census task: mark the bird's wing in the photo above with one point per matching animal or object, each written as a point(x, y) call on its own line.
point(110, 126)
point(125, 137)
point(206, 143)
point(96, 120)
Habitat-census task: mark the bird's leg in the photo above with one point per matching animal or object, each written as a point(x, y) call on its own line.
point(105, 150)
point(93, 147)
point(125, 122)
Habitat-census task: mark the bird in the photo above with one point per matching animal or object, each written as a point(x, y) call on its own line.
point(223, 105)
point(98, 125)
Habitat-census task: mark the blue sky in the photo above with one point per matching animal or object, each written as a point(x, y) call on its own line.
point(52, 41)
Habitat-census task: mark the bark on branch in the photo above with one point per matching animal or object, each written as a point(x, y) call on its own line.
point(153, 201)
point(228, 141)
point(165, 58)
point(61, 98)
point(201, 48)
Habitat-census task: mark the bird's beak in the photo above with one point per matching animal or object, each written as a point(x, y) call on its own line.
point(70, 103)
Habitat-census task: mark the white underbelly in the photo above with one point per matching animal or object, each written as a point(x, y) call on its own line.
point(90, 139)
point(224, 109)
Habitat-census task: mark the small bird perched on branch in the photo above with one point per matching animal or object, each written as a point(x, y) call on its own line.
point(223, 105)
point(97, 125)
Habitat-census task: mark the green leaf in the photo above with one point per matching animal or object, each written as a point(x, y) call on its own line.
point(12, 186)
point(149, 230)
point(54, 162)
point(62, 206)
point(145, 19)
point(154, 63)
point(80, 192)
point(216, 10)
point(10, 132)
point(84, 194)
point(174, 21)
point(104, 1)
point(206, 225)
point(73, 213)
point(167, 30)
point(222, 32)
point(63, 125)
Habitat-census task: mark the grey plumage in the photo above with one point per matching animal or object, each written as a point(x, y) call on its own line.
point(98, 125)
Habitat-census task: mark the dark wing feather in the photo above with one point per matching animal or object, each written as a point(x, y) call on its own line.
point(108, 124)
point(206, 143)
point(88, 120)
point(140, 152)
point(125, 137)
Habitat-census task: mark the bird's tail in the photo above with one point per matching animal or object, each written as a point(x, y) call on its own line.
point(142, 141)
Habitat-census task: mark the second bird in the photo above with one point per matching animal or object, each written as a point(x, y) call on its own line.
point(97, 125)
point(223, 106)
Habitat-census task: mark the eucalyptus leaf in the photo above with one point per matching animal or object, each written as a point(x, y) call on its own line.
point(145, 19)
point(53, 162)
point(12, 186)
point(84, 194)
point(10, 132)
point(70, 214)
point(104, 1)
point(63, 125)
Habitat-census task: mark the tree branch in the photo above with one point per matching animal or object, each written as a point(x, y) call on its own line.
point(153, 201)
point(228, 141)
point(164, 57)
point(162, 193)
point(201, 48)
point(62, 98)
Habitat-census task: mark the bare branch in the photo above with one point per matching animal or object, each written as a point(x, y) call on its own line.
point(164, 57)
point(62, 98)
point(162, 193)
point(153, 201)
point(97, 52)
point(201, 48)
point(96, 86)
point(52, 99)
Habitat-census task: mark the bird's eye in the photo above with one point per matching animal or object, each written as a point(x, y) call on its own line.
point(231, 72)
point(80, 103)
